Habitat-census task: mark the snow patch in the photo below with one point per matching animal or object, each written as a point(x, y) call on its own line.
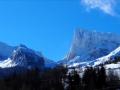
point(7, 63)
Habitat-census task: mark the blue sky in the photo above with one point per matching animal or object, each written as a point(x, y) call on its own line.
point(48, 26)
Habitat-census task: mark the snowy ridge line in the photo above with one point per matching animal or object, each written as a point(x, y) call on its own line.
point(107, 57)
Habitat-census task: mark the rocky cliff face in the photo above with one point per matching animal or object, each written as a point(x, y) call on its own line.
point(90, 45)
point(22, 56)
point(26, 57)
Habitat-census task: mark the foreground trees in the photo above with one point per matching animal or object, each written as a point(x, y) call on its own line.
point(94, 78)
point(74, 81)
point(50, 79)
point(58, 78)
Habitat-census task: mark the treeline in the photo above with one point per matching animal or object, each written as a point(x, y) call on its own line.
point(49, 79)
point(92, 79)
point(57, 78)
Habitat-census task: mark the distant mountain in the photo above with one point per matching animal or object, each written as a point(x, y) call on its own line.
point(89, 46)
point(22, 56)
point(49, 63)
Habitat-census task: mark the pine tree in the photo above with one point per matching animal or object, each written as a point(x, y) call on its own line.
point(101, 77)
point(74, 81)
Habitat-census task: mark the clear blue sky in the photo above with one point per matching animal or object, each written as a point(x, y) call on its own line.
point(48, 25)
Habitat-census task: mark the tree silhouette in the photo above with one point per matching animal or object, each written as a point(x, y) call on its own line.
point(74, 81)
point(101, 77)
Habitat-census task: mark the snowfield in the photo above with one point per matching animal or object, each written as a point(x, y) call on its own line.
point(113, 66)
point(7, 63)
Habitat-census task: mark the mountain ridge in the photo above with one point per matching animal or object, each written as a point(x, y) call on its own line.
point(86, 43)
point(22, 56)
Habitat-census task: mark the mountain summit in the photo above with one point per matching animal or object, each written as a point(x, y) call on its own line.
point(90, 45)
point(22, 56)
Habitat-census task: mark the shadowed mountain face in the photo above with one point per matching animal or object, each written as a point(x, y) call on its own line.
point(90, 45)
point(22, 56)
point(26, 57)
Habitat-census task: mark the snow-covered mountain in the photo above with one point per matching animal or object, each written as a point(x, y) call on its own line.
point(22, 56)
point(89, 47)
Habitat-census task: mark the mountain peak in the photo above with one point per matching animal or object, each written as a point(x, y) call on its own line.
point(90, 45)
point(22, 45)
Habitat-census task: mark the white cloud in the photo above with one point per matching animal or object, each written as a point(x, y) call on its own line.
point(107, 6)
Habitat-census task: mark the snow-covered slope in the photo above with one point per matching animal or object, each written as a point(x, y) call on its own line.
point(90, 45)
point(113, 66)
point(111, 56)
point(7, 63)
point(102, 60)
point(22, 56)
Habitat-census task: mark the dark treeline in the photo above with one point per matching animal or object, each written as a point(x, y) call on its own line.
point(92, 79)
point(49, 79)
point(57, 79)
